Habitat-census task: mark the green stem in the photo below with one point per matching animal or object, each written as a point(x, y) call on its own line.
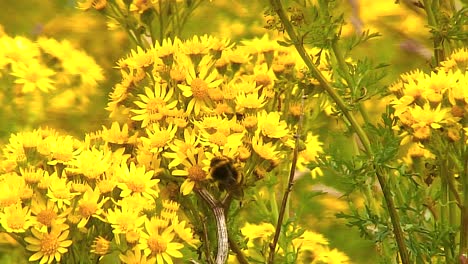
point(444, 208)
point(464, 213)
point(161, 22)
point(430, 6)
point(278, 8)
point(342, 64)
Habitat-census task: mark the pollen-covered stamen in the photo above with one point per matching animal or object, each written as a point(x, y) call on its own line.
point(196, 173)
point(218, 138)
point(199, 89)
point(46, 217)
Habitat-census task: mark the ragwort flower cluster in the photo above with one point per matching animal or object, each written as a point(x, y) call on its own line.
point(60, 194)
point(178, 106)
point(432, 108)
point(43, 77)
point(311, 247)
point(190, 101)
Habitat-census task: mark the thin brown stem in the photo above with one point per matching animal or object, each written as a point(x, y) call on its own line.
point(292, 171)
point(239, 254)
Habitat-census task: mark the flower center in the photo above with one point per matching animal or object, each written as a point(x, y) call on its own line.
point(177, 75)
point(49, 244)
point(136, 186)
point(218, 138)
point(124, 223)
point(262, 79)
point(196, 173)
point(132, 236)
point(106, 185)
point(199, 88)
point(154, 105)
point(249, 121)
point(157, 244)
point(87, 209)
point(160, 139)
point(46, 217)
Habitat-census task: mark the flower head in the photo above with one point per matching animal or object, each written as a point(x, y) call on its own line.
point(137, 181)
point(16, 218)
point(48, 246)
point(160, 245)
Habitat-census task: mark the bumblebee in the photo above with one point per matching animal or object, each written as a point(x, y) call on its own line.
point(224, 171)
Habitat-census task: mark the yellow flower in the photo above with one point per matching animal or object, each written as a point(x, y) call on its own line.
point(266, 151)
point(458, 92)
point(100, 246)
point(220, 140)
point(170, 209)
point(125, 218)
point(79, 64)
point(137, 181)
point(310, 241)
point(183, 232)
point(217, 45)
point(107, 183)
point(139, 203)
point(9, 193)
point(48, 246)
point(154, 104)
point(250, 101)
point(194, 169)
point(160, 246)
point(47, 213)
point(166, 50)
point(197, 89)
point(333, 256)
point(195, 47)
point(313, 147)
point(32, 175)
point(158, 137)
point(116, 135)
point(269, 125)
point(140, 6)
point(92, 163)
point(89, 205)
point(16, 218)
point(62, 149)
point(255, 232)
point(427, 117)
point(181, 147)
point(33, 76)
point(458, 59)
point(134, 256)
point(262, 45)
point(212, 123)
point(138, 58)
point(18, 50)
point(60, 192)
